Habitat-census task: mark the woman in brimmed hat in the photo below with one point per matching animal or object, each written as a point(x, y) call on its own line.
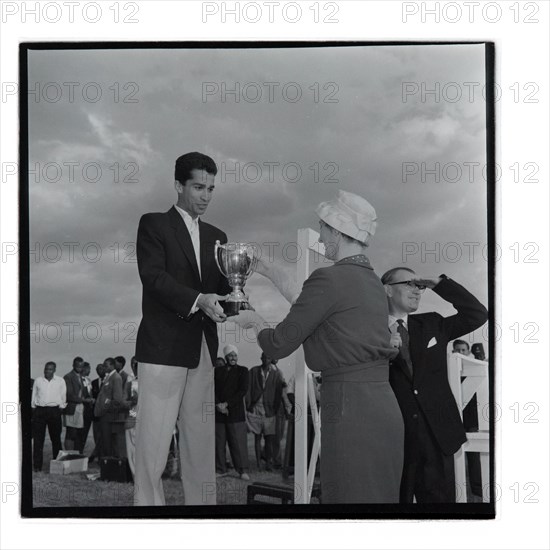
point(341, 318)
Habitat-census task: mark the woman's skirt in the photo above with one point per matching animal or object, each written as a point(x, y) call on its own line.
point(362, 436)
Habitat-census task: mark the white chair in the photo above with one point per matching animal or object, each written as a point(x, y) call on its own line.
point(476, 382)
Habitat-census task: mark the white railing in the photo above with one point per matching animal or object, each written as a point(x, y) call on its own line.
point(304, 473)
point(475, 382)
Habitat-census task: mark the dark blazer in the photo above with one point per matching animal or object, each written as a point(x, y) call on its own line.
point(95, 392)
point(429, 388)
point(95, 388)
point(88, 407)
point(74, 394)
point(167, 334)
point(124, 377)
point(112, 390)
point(272, 393)
point(231, 385)
point(341, 317)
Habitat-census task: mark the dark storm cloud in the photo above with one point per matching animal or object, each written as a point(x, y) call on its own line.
point(359, 143)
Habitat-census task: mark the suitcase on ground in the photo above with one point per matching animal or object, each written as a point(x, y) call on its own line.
point(113, 468)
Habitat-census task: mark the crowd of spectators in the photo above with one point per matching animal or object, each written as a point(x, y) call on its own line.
point(106, 404)
point(247, 401)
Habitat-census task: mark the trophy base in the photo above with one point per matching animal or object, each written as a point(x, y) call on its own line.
point(233, 308)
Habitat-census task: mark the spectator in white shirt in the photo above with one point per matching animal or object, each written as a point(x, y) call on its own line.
point(49, 397)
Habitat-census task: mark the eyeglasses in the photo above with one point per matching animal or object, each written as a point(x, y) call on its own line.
point(410, 284)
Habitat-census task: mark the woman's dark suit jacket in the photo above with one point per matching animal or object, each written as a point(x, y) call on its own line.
point(341, 318)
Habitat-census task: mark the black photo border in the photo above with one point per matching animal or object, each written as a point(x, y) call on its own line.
point(324, 512)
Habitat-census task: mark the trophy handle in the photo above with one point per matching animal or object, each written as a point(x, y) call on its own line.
point(217, 246)
point(252, 266)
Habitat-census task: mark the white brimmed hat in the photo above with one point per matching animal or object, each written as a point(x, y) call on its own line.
point(350, 214)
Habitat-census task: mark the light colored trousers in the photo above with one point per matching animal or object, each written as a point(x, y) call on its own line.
point(167, 395)
point(131, 449)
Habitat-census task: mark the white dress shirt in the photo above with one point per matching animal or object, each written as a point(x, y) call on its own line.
point(49, 393)
point(192, 225)
point(193, 228)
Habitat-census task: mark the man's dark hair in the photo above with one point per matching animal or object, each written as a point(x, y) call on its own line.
point(109, 361)
point(193, 161)
point(51, 363)
point(120, 359)
point(389, 275)
point(460, 342)
point(265, 356)
point(77, 360)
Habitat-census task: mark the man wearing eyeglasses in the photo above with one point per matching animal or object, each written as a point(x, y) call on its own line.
point(418, 376)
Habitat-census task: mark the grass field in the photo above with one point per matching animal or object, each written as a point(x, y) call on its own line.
point(76, 490)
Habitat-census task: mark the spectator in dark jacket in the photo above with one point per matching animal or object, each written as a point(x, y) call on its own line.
point(96, 386)
point(265, 392)
point(73, 415)
point(108, 406)
point(231, 385)
point(88, 399)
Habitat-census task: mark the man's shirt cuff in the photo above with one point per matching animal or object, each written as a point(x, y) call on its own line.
point(194, 309)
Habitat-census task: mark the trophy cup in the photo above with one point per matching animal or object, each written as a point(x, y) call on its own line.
point(236, 262)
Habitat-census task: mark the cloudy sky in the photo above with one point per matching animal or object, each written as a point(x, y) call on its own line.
point(105, 127)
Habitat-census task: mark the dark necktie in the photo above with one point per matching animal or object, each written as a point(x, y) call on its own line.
point(404, 350)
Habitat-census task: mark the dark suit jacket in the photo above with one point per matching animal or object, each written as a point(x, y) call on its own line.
point(88, 407)
point(272, 393)
point(124, 377)
point(95, 392)
point(95, 388)
point(429, 390)
point(110, 390)
point(341, 317)
point(168, 269)
point(74, 394)
point(231, 385)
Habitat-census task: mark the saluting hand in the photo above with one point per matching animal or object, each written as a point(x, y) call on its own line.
point(428, 282)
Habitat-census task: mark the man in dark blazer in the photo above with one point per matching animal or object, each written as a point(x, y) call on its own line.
point(177, 340)
point(418, 375)
point(120, 362)
point(96, 386)
point(88, 400)
point(109, 409)
point(73, 414)
point(231, 385)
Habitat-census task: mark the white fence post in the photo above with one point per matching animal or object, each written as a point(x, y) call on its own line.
point(307, 241)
